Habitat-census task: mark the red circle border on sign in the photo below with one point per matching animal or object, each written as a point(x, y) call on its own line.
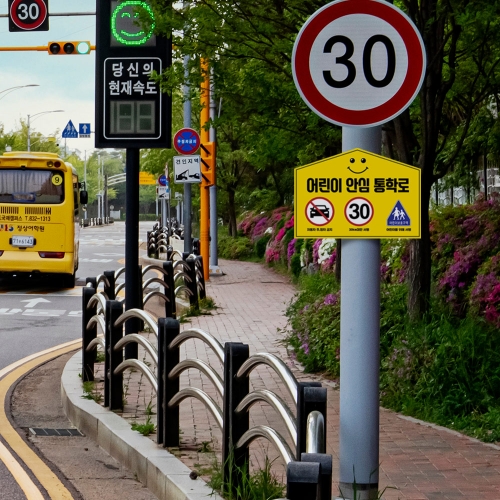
point(31, 26)
point(369, 117)
point(367, 201)
point(328, 221)
point(186, 129)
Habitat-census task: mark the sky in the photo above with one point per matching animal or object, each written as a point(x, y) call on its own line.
point(65, 82)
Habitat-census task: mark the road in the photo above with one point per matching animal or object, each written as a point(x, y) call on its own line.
point(36, 316)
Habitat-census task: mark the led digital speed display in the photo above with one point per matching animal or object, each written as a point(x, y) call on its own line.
point(132, 24)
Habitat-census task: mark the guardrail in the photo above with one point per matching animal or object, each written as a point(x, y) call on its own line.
point(309, 469)
point(96, 221)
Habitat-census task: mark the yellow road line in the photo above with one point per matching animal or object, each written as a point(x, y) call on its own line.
point(9, 375)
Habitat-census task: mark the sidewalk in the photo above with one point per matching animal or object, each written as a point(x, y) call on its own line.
point(421, 461)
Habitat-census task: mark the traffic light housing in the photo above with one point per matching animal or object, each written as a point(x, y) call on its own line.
point(208, 164)
point(69, 48)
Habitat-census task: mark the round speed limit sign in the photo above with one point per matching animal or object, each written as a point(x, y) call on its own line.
point(358, 63)
point(359, 211)
point(28, 15)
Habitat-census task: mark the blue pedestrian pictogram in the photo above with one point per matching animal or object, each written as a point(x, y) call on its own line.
point(398, 216)
point(70, 131)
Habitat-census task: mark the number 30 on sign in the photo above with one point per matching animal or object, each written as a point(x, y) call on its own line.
point(358, 63)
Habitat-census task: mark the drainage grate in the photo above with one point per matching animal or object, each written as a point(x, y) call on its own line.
point(55, 432)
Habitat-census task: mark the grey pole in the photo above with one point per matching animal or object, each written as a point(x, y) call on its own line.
point(214, 258)
point(359, 350)
point(188, 244)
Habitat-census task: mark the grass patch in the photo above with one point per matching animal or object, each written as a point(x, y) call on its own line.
point(90, 392)
point(145, 429)
point(259, 485)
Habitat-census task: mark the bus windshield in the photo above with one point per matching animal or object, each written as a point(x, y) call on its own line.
point(22, 185)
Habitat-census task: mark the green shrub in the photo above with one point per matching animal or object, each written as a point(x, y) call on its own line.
point(295, 266)
point(234, 248)
point(260, 246)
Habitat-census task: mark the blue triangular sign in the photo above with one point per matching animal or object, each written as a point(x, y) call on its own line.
point(398, 216)
point(70, 131)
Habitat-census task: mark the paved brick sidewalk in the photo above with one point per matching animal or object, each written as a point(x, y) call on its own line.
point(421, 461)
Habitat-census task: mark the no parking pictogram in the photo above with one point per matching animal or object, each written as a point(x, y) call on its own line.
point(319, 211)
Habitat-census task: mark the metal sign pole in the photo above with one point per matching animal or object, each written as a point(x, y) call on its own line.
point(132, 299)
point(359, 349)
point(188, 244)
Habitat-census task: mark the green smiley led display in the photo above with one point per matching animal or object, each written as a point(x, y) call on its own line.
point(125, 27)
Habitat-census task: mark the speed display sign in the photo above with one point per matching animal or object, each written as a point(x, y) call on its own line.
point(28, 15)
point(358, 63)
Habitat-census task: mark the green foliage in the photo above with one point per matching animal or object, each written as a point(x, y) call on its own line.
point(91, 392)
point(145, 429)
point(295, 265)
point(260, 485)
point(260, 246)
point(238, 248)
point(314, 323)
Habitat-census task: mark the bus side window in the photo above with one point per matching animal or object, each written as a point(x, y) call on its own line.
point(75, 198)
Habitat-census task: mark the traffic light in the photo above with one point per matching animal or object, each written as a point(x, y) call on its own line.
point(68, 48)
point(208, 164)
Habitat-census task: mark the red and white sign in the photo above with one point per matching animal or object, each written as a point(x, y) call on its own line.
point(319, 211)
point(186, 141)
point(358, 63)
point(28, 14)
point(359, 211)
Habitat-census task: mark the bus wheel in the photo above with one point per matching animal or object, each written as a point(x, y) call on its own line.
point(68, 280)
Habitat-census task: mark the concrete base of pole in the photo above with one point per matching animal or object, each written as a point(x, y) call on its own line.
point(215, 271)
point(358, 492)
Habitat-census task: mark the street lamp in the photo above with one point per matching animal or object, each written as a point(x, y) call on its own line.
point(11, 89)
point(38, 115)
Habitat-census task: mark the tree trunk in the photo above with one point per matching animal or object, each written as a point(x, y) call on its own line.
point(233, 230)
point(419, 267)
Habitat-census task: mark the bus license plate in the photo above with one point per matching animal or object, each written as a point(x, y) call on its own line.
point(23, 241)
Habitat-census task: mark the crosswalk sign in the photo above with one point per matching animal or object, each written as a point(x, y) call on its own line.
point(70, 131)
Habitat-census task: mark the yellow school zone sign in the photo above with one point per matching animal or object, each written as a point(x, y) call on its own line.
point(357, 194)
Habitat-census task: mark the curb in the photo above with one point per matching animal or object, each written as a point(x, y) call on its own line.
point(160, 471)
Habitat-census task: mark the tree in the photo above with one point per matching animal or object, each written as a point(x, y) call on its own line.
point(462, 41)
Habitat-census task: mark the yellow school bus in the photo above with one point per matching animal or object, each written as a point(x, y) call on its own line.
point(40, 202)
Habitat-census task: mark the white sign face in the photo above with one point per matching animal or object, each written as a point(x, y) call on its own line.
point(163, 192)
point(187, 169)
point(358, 63)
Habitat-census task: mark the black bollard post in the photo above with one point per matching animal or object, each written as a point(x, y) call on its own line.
point(169, 328)
point(235, 425)
point(302, 413)
point(92, 282)
point(169, 289)
point(191, 282)
point(110, 290)
point(302, 480)
point(201, 277)
point(115, 357)
point(325, 478)
point(88, 334)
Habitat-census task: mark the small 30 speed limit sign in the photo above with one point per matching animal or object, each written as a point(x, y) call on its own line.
point(359, 211)
point(358, 63)
point(28, 15)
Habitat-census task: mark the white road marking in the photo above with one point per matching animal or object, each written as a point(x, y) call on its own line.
point(33, 302)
